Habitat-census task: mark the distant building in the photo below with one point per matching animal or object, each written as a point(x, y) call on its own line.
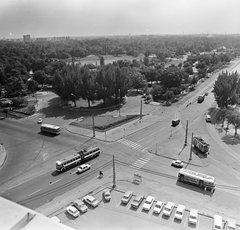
point(41, 39)
point(27, 38)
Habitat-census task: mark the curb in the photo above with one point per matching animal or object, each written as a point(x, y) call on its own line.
point(3, 155)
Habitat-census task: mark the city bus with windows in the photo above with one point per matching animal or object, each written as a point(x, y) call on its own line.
point(77, 158)
point(198, 179)
point(50, 129)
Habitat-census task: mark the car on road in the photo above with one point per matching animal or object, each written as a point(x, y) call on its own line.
point(193, 216)
point(175, 121)
point(92, 201)
point(106, 194)
point(168, 208)
point(158, 207)
point(208, 118)
point(179, 212)
point(126, 197)
point(148, 203)
point(137, 201)
point(177, 163)
point(84, 167)
point(39, 121)
point(79, 204)
point(73, 211)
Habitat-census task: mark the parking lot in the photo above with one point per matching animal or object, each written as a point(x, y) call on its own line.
point(113, 214)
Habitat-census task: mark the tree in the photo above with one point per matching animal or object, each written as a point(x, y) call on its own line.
point(39, 76)
point(32, 85)
point(224, 89)
point(234, 119)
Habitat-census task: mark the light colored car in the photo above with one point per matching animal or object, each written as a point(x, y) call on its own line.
point(80, 205)
point(137, 201)
point(91, 200)
point(39, 121)
point(158, 207)
point(126, 197)
point(168, 208)
point(107, 195)
point(193, 216)
point(179, 212)
point(84, 167)
point(177, 163)
point(230, 224)
point(148, 203)
point(73, 211)
point(208, 118)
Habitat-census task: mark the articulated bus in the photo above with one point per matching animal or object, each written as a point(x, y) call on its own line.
point(198, 179)
point(77, 158)
point(50, 129)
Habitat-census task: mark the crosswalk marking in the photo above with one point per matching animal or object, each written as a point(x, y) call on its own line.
point(131, 144)
point(142, 161)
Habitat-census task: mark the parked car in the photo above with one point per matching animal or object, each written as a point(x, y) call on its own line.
point(208, 118)
point(179, 212)
point(158, 207)
point(79, 204)
point(91, 200)
point(148, 203)
point(72, 211)
point(230, 224)
point(177, 163)
point(107, 195)
point(168, 208)
point(84, 167)
point(193, 216)
point(126, 197)
point(137, 201)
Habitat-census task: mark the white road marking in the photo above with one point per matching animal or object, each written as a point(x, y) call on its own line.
point(74, 222)
point(152, 134)
point(56, 181)
point(141, 139)
point(143, 150)
point(34, 192)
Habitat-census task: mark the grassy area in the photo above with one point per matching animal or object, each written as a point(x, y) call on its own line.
point(104, 123)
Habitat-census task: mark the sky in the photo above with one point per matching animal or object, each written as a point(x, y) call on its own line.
point(53, 18)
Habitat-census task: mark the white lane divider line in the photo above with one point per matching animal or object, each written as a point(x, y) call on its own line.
point(34, 192)
point(55, 181)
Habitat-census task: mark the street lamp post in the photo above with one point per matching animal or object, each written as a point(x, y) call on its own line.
point(119, 97)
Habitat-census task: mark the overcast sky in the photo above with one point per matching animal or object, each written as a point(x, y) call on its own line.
point(48, 18)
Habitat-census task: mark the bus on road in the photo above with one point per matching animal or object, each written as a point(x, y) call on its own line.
point(198, 179)
point(50, 129)
point(77, 158)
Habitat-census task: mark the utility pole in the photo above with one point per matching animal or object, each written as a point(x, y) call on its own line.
point(190, 157)
point(93, 125)
point(141, 110)
point(119, 100)
point(114, 174)
point(185, 144)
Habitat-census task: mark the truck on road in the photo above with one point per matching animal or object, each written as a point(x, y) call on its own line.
point(199, 143)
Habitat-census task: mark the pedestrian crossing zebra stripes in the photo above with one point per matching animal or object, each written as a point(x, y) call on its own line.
point(142, 161)
point(132, 144)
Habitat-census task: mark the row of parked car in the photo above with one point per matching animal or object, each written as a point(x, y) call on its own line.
point(168, 208)
point(80, 205)
point(159, 206)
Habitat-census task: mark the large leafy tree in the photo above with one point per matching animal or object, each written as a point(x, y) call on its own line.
point(234, 119)
point(224, 89)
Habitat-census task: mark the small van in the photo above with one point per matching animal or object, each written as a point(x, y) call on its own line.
point(217, 222)
point(175, 122)
point(208, 118)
